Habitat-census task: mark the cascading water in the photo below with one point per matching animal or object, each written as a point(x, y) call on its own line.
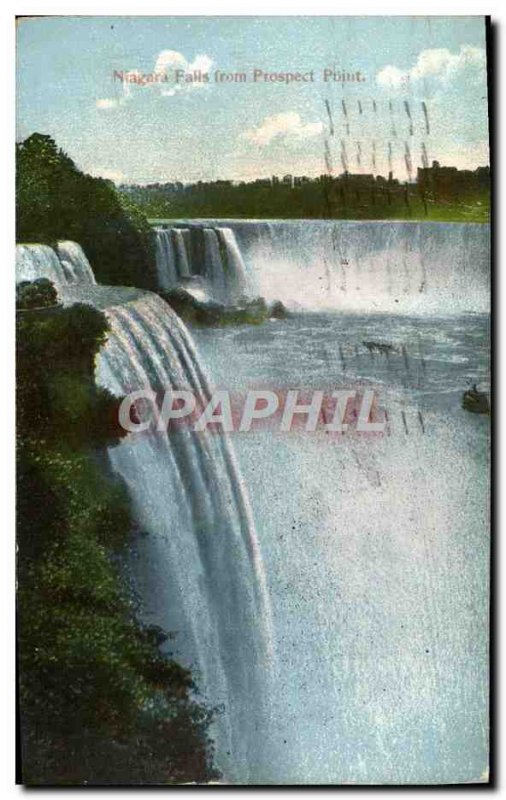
point(39, 261)
point(73, 258)
point(374, 614)
point(199, 568)
point(165, 260)
point(64, 266)
point(214, 263)
point(209, 252)
point(401, 267)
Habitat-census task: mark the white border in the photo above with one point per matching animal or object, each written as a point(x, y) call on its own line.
point(7, 80)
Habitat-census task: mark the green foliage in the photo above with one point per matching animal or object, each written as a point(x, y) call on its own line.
point(54, 200)
point(99, 703)
point(39, 293)
point(64, 402)
point(343, 197)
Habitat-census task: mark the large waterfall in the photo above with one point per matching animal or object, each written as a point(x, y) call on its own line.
point(196, 565)
point(404, 267)
point(198, 568)
point(64, 266)
point(375, 550)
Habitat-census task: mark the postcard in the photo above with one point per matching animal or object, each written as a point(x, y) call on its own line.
point(253, 400)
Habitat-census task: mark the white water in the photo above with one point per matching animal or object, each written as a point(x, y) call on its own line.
point(209, 252)
point(376, 549)
point(67, 265)
point(199, 569)
point(72, 256)
point(383, 267)
point(375, 552)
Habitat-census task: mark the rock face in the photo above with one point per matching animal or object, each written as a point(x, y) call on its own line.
point(194, 305)
point(278, 310)
point(475, 401)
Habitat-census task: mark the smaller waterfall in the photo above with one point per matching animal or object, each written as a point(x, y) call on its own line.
point(182, 260)
point(39, 261)
point(234, 264)
point(65, 265)
point(72, 255)
point(214, 263)
point(211, 253)
point(165, 260)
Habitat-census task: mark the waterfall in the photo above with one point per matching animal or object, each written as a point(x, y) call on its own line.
point(234, 264)
point(72, 255)
point(65, 265)
point(165, 260)
point(382, 267)
point(180, 243)
point(198, 570)
point(400, 267)
point(210, 252)
point(213, 263)
point(39, 261)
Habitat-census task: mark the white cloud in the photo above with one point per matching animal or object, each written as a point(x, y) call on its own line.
point(440, 64)
point(109, 174)
point(107, 103)
point(167, 62)
point(287, 125)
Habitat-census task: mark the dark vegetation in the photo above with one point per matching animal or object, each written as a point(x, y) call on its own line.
point(99, 703)
point(39, 293)
point(440, 193)
point(209, 313)
point(54, 200)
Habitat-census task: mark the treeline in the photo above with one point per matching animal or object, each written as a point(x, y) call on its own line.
point(99, 704)
point(55, 201)
point(344, 197)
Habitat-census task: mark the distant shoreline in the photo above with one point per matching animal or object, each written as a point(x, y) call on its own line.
point(255, 220)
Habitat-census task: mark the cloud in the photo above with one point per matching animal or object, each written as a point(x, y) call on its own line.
point(439, 64)
point(285, 126)
point(107, 103)
point(166, 64)
point(109, 174)
point(170, 60)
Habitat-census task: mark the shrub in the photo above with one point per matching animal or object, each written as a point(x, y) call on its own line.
point(39, 293)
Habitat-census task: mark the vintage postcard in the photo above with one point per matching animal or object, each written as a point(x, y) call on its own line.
point(253, 400)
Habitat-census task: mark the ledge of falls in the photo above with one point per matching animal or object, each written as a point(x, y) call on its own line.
point(314, 265)
point(65, 265)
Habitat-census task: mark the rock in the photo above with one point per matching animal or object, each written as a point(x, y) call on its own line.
point(475, 401)
point(201, 309)
point(278, 310)
point(380, 347)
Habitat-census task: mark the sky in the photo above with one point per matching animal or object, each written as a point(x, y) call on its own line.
point(240, 129)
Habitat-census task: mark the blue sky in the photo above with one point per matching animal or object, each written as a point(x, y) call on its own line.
point(196, 131)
